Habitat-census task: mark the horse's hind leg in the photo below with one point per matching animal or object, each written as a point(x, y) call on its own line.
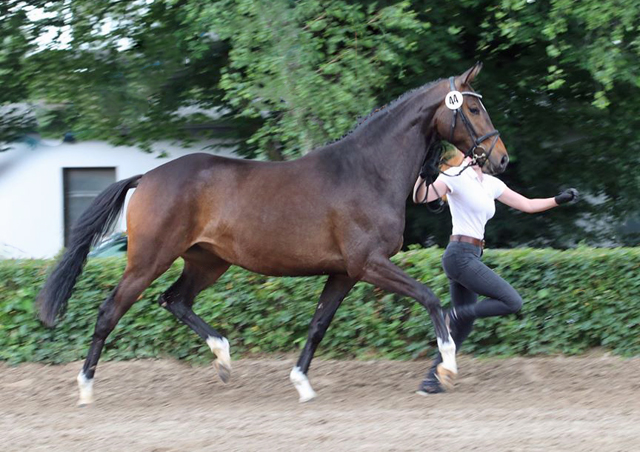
point(336, 288)
point(132, 284)
point(381, 272)
point(178, 300)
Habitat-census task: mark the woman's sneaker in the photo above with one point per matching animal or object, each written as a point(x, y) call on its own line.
point(430, 385)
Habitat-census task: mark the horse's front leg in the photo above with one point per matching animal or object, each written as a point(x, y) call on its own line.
point(381, 272)
point(336, 288)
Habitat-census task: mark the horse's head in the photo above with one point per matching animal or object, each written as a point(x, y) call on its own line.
point(462, 120)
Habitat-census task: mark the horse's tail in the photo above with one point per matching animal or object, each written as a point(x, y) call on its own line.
point(90, 227)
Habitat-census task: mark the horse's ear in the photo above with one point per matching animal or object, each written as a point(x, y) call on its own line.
point(471, 73)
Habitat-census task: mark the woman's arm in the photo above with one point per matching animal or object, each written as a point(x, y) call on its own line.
point(524, 204)
point(436, 190)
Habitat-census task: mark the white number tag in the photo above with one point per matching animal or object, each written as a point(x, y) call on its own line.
point(453, 101)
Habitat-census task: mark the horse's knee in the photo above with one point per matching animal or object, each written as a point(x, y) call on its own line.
point(169, 298)
point(103, 328)
point(316, 332)
point(177, 308)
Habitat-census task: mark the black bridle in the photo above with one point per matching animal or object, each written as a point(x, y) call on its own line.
point(433, 160)
point(479, 159)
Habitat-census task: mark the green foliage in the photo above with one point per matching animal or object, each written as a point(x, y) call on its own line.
point(600, 38)
point(574, 300)
point(117, 70)
point(308, 68)
point(15, 42)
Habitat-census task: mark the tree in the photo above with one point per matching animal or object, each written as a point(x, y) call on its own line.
point(17, 40)
point(123, 71)
point(309, 68)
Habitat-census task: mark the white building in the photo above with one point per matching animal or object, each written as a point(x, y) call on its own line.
point(45, 185)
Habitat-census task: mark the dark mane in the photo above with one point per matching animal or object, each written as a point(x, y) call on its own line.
point(384, 109)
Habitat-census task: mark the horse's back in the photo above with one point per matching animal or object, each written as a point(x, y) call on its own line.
point(187, 165)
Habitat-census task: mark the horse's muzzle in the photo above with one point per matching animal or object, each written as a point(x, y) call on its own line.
point(504, 161)
point(495, 166)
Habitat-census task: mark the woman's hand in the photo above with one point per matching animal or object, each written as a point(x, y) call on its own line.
point(569, 195)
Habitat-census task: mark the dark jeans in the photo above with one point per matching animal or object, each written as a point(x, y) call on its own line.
point(468, 278)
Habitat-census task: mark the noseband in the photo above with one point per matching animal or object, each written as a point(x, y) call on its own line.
point(476, 158)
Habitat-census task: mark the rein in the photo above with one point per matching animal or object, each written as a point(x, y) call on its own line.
point(434, 161)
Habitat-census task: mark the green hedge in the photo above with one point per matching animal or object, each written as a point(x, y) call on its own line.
point(574, 300)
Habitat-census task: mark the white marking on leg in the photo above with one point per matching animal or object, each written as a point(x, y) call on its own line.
point(86, 389)
point(448, 352)
point(220, 348)
point(301, 382)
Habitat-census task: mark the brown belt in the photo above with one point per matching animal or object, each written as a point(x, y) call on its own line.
point(467, 239)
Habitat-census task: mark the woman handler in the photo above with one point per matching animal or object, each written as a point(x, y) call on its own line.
point(471, 194)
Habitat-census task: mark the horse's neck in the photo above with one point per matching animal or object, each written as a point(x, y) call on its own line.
point(393, 145)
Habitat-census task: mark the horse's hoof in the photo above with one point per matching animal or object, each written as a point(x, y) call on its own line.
point(307, 398)
point(84, 402)
point(429, 386)
point(224, 371)
point(446, 377)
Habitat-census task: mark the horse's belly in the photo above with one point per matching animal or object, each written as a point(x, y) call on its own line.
point(286, 269)
point(291, 261)
point(280, 256)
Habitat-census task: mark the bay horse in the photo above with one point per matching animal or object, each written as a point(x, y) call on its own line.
point(337, 211)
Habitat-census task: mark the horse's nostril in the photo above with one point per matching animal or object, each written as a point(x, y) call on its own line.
point(504, 161)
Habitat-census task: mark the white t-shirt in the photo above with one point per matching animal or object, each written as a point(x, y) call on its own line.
point(471, 200)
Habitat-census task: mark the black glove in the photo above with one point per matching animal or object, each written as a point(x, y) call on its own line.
point(423, 173)
point(569, 195)
point(426, 172)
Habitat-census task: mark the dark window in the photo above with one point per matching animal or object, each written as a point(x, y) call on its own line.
point(81, 186)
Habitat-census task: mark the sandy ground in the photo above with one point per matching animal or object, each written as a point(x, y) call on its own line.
point(540, 404)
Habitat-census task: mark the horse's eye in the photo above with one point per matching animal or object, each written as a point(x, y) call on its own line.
point(474, 110)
